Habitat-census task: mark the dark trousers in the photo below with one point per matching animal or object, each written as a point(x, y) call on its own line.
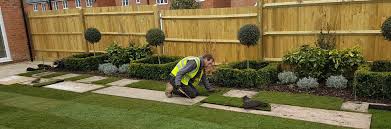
point(190, 90)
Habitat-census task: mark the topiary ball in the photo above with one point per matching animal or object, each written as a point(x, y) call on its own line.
point(386, 29)
point(155, 37)
point(249, 34)
point(92, 35)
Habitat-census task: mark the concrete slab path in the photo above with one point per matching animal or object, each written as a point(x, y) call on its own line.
point(91, 79)
point(240, 93)
point(123, 82)
point(70, 75)
point(355, 106)
point(74, 86)
point(15, 79)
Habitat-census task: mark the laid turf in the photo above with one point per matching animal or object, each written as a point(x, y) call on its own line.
point(106, 81)
point(380, 119)
point(78, 77)
point(54, 74)
point(31, 73)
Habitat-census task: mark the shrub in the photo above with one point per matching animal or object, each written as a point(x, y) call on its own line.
point(155, 37)
point(372, 84)
point(308, 61)
point(326, 40)
point(92, 35)
point(124, 68)
point(84, 62)
point(287, 77)
point(119, 55)
point(249, 35)
point(307, 83)
point(386, 29)
point(108, 68)
point(185, 4)
point(320, 63)
point(381, 66)
point(149, 68)
point(236, 74)
point(337, 82)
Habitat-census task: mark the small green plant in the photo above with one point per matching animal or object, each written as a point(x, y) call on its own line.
point(155, 37)
point(326, 40)
point(386, 29)
point(185, 4)
point(123, 68)
point(339, 82)
point(287, 77)
point(249, 35)
point(108, 68)
point(308, 83)
point(119, 55)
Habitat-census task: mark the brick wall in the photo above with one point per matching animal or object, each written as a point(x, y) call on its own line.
point(72, 4)
point(243, 3)
point(15, 30)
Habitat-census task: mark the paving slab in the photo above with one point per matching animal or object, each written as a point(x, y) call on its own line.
point(42, 74)
point(74, 86)
point(355, 106)
point(70, 75)
point(7, 70)
point(91, 79)
point(331, 117)
point(41, 80)
point(240, 93)
point(123, 82)
point(147, 95)
point(15, 79)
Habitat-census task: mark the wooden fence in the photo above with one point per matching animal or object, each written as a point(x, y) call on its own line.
point(286, 25)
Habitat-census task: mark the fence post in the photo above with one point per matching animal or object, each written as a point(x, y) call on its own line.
point(260, 26)
point(159, 24)
point(82, 21)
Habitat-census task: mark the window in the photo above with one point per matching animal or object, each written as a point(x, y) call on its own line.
point(65, 4)
point(55, 5)
point(43, 5)
point(89, 3)
point(35, 7)
point(161, 1)
point(78, 4)
point(138, 1)
point(125, 2)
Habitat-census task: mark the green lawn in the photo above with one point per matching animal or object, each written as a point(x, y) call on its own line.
point(31, 73)
point(78, 77)
point(305, 100)
point(106, 81)
point(54, 74)
point(31, 107)
point(380, 119)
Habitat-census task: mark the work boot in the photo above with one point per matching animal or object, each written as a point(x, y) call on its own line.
point(169, 89)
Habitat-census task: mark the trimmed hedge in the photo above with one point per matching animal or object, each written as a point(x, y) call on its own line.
point(149, 68)
point(381, 66)
point(372, 84)
point(234, 74)
point(84, 62)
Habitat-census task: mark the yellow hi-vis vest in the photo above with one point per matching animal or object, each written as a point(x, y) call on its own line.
point(190, 75)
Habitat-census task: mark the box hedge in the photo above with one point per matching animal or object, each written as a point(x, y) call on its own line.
point(372, 84)
point(237, 74)
point(381, 66)
point(84, 62)
point(149, 68)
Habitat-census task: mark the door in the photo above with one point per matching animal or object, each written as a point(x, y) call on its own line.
point(4, 49)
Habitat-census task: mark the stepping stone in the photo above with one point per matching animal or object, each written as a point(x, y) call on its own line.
point(355, 106)
point(15, 79)
point(42, 74)
point(91, 79)
point(123, 82)
point(147, 95)
point(62, 77)
point(74, 86)
point(42, 80)
point(240, 93)
point(331, 117)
